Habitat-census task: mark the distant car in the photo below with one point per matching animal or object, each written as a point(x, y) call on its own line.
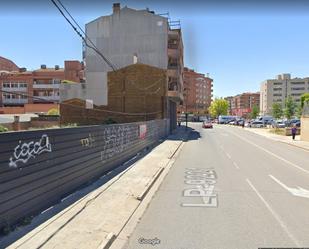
point(297, 124)
point(233, 122)
point(240, 122)
point(278, 124)
point(207, 124)
point(290, 123)
point(257, 124)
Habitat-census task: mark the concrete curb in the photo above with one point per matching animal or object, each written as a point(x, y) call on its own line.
point(278, 140)
point(123, 237)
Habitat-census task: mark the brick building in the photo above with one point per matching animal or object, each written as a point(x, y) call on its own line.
point(241, 104)
point(197, 92)
point(135, 93)
point(7, 65)
point(38, 86)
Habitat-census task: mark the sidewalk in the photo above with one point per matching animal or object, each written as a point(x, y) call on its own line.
point(284, 139)
point(95, 220)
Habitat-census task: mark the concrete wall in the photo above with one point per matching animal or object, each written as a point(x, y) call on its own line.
point(72, 90)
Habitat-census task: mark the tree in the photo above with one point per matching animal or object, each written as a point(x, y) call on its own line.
point(218, 107)
point(304, 98)
point(277, 110)
point(289, 109)
point(298, 111)
point(53, 111)
point(254, 112)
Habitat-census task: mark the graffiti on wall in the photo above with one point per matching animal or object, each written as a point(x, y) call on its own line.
point(24, 151)
point(142, 131)
point(116, 140)
point(88, 141)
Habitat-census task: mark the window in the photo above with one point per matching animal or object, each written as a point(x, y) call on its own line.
point(23, 85)
point(277, 83)
point(297, 83)
point(298, 88)
point(277, 94)
point(7, 85)
point(296, 94)
point(6, 96)
point(278, 89)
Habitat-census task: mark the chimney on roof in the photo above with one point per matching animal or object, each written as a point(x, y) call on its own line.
point(43, 66)
point(116, 8)
point(22, 69)
point(56, 67)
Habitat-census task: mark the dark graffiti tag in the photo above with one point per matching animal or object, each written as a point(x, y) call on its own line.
point(23, 152)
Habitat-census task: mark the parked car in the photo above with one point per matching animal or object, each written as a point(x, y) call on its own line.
point(234, 122)
point(297, 124)
point(240, 122)
point(278, 124)
point(257, 124)
point(290, 123)
point(207, 124)
point(265, 119)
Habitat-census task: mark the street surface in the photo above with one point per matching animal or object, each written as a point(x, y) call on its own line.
point(229, 188)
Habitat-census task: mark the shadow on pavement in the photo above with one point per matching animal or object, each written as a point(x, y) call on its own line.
point(183, 133)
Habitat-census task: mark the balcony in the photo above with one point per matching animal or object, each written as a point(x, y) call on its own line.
point(46, 86)
point(173, 53)
point(174, 93)
point(173, 66)
point(52, 98)
point(15, 89)
point(15, 101)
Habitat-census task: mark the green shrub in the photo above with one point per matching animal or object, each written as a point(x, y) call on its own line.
point(109, 121)
point(3, 129)
point(53, 111)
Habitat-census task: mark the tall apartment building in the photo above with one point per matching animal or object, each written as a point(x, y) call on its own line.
point(241, 105)
point(277, 90)
point(197, 92)
point(130, 36)
point(38, 86)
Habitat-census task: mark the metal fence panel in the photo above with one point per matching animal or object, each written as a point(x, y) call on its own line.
point(38, 168)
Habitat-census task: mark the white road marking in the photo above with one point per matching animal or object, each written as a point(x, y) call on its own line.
point(228, 155)
point(275, 215)
point(301, 192)
point(271, 153)
point(236, 165)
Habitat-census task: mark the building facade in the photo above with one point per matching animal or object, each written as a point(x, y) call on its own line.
point(197, 92)
point(130, 36)
point(241, 105)
point(7, 65)
point(277, 90)
point(38, 86)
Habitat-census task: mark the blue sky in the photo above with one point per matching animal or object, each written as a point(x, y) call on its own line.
point(238, 44)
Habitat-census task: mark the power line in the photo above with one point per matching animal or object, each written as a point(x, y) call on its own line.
point(96, 49)
point(75, 29)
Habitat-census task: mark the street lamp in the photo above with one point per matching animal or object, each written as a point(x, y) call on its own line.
point(186, 105)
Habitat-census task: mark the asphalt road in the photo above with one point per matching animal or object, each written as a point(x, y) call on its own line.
point(229, 188)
